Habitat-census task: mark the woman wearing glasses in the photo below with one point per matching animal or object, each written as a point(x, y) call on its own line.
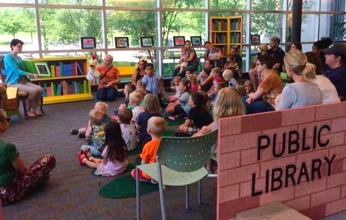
point(271, 86)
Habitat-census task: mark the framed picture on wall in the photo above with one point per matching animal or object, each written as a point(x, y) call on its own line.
point(147, 42)
point(42, 70)
point(255, 39)
point(121, 42)
point(88, 42)
point(196, 40)
point(178, 40)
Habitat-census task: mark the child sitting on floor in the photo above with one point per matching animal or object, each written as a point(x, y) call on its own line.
point(193, 82)
point(128, 89)
point(135, 100)
point(156, 127)
point(114, 160)
point(128, 129)
point(151, 106)
point(99, 106)
point(180, 107)
point(198, 116)
point(174, 87)
point(95, 133)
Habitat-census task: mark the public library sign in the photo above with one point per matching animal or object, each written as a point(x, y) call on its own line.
point(297, 157)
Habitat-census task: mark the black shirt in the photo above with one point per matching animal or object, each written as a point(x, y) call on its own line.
point(278, 56)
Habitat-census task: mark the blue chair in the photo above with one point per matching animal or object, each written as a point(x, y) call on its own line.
point(180, 161)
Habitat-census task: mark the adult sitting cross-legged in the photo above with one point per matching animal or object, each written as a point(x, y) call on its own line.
point(271, 86)
point(192, 61)
point(16, 180)
point(109, 78)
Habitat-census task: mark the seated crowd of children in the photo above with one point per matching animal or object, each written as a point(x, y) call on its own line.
point(141, 121)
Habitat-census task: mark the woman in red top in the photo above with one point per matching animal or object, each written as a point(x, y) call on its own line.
point(109, 78)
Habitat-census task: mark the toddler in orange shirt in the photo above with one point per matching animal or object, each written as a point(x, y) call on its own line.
point(156, 127)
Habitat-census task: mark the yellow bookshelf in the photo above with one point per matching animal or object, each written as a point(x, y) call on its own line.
point(226, 32)
point(62, 79)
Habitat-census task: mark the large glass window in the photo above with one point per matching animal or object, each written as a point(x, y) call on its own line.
point(132, 3)
point(309, 31)
point(70, 2)
point(18, 23)
point(131, 24)
point(62, 29)
point(183, 3)
point(226, 4)
point(187, 24)
point(267, 25)
point(267, 4)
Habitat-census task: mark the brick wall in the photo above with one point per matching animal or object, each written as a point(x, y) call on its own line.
point(297, 157)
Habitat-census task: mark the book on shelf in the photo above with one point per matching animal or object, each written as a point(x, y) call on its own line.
point(52, 71)
point(67, 69)
point(58, 89)
point(80, 70)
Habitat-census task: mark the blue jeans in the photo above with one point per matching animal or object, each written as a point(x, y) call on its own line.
point(93, 150)
point(257, 106)
point(107, 94)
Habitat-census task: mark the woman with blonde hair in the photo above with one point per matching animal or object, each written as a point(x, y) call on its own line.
point(302, 92)
point(227, 104)
point(16, 179)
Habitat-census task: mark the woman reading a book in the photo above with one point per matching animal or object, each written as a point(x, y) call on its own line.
point(17, 76)
point(109, 78)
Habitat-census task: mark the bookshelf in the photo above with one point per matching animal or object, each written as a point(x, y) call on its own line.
point(226, 32)
point(64, 81)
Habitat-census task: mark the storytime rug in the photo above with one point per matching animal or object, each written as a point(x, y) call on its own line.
point(125, 187)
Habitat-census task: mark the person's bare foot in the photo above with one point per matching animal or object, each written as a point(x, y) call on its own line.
point(31, 114)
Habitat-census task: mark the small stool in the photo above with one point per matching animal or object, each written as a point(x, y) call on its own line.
point(11, 105)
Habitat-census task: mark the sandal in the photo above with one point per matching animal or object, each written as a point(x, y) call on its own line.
point(81, 157)
point(88, 154)
point(31, 114)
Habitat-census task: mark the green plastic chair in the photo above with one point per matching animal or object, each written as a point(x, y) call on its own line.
point(180, 161)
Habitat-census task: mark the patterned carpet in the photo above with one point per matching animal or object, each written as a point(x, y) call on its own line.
point(72, 192)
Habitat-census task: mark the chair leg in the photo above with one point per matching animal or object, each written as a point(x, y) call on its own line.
point(24, 108)
point(199, 192)
point(162, 200)
point(187, 197)
point(138, 203)
point(41, 107)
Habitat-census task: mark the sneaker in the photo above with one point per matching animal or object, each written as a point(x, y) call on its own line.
point(154, 181)
point(81, 157)
point(88, 154)
point(74, 131)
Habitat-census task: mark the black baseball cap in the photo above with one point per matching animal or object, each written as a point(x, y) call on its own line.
point(338, 49)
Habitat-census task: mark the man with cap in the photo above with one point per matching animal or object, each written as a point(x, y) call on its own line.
point(277, 53)
point(336, 70)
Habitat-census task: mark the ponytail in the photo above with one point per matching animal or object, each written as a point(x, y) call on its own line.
point(309, 72)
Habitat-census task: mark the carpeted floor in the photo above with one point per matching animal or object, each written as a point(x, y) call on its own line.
point(72, 192)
